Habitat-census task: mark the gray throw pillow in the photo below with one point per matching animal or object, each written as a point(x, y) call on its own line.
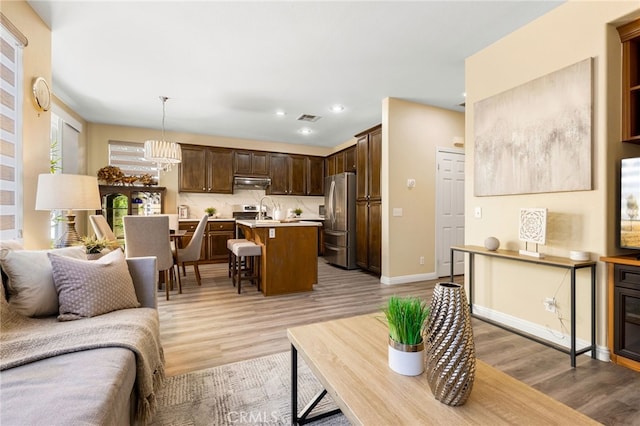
point(89, 288)
point(30, 279)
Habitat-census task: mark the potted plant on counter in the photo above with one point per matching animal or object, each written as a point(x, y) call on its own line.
point(406, 318)
point(210, 211)
point(297, 212)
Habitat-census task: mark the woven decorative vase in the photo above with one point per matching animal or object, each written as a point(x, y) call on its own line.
point(450, 351)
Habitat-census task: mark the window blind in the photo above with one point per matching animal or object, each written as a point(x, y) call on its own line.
point(10, 134)
point(129, 156)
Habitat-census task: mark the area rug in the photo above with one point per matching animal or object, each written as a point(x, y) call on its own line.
point(253, 392)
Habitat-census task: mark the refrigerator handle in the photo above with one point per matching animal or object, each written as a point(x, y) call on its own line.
point(332, 190)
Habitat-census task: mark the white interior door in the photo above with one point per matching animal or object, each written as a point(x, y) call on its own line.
point(449, 209)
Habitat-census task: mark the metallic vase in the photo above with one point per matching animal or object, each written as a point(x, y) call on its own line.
point(450, 362)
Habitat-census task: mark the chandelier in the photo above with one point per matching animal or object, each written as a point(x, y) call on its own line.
point(164, 154)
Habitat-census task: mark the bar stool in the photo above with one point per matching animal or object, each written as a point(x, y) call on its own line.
point(232, 258)
point(248, 251)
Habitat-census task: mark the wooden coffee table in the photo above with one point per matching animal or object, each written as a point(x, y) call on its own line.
point(349, 358)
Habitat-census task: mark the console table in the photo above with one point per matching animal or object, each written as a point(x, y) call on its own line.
point(551, 261)
point(349, 357)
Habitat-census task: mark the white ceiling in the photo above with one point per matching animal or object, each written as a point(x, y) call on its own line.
point(228, 66)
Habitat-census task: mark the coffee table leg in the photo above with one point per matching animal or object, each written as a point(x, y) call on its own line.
point(294, 385)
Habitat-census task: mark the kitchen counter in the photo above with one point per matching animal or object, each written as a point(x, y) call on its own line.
point(276, 223)
point(289, 261)
point(211, 219)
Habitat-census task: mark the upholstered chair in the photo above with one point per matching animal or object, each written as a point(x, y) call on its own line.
point(149, 236)
point(191, 253)
point(103, 230)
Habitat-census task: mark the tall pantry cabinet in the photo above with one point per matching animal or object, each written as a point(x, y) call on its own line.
point(369, 200)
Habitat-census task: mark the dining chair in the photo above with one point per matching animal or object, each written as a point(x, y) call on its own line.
point(102, 229)
point(174, 225)
point(191, 253)
point(149, 236)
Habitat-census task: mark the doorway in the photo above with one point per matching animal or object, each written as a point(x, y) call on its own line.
point(449, 209)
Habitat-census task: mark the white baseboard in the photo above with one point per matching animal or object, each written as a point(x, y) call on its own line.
point(408, 278)
point(540, 331)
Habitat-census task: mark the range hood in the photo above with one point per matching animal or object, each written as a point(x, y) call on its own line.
point(248, 182)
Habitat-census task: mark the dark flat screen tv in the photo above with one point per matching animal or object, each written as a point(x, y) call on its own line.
point(630, 203)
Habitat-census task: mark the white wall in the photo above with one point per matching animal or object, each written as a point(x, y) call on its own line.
point(583, 220)
point(411, 134)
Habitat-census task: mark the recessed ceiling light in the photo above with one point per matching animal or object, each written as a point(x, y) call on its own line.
point(337, 108)
point(280, 113)
point(464, 94)
point(305, 131)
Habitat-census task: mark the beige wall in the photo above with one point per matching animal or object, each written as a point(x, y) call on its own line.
point(36, 125)
point(99, 135)
point(583, 220)
point(411, 133)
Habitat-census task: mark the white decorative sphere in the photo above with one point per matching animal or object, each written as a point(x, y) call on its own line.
point(492, 243)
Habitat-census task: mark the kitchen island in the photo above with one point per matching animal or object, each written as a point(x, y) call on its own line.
point(289, 254)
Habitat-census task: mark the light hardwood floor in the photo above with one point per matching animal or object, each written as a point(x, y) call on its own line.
point(213, 325)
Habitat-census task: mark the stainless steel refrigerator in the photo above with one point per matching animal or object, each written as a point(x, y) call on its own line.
point(340, 220)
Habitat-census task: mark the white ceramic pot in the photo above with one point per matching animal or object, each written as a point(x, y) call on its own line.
point(407, 360)
point(278, 214)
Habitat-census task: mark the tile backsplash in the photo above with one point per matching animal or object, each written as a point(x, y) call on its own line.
point(225, 204)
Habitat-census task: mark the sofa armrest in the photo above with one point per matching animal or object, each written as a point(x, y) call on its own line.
point(145, 276)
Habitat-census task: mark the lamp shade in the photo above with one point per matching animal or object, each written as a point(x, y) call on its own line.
point(162, 152)
point(67, 192)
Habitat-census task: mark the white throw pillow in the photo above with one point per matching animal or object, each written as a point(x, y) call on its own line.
point(30, 279)
point(89, 288)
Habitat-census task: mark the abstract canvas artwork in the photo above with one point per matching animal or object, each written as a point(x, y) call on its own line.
point(536, 137)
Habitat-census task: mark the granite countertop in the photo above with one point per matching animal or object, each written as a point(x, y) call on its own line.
point(275, 223)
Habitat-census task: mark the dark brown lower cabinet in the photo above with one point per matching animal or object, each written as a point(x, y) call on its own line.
point(369, 235)
point(214, 242)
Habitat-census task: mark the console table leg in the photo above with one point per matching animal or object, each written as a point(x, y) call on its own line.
point(573, 318)
point(451, 265)
point(471, 267)
point(294, 385)
point(593, 312)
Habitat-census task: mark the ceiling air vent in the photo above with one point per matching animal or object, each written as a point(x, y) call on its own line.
point(308, 117)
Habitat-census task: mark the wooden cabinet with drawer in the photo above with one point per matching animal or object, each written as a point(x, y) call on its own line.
point(218, 232)
point(214, 241)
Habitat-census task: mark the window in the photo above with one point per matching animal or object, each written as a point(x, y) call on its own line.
point(11, 213)
point(129, 156)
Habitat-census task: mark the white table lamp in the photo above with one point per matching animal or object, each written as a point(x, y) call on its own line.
point(68, 192)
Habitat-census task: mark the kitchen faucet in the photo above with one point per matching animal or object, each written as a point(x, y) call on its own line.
point(260, 212)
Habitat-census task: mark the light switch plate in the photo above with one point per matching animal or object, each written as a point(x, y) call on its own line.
point(478, 212)
point(272, 232)
point(397, 211)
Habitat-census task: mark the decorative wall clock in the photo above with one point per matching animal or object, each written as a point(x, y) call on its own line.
point(41, 94)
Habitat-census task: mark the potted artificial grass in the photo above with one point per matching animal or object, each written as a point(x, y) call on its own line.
point(406, 318)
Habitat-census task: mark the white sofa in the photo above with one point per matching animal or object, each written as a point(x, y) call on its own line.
point(100, 384)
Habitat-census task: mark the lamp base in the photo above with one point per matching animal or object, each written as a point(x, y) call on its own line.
point(70, 236)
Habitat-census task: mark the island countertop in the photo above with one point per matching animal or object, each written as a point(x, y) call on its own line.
point(276, 224)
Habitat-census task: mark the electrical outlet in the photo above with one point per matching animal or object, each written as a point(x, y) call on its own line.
point(422, 260)
point(272, 232)
point(550, 304)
